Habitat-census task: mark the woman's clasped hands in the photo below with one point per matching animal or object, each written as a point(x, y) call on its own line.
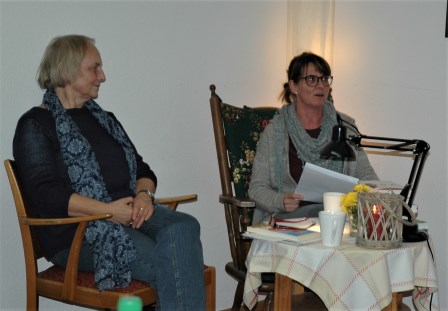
point(142, 210)
point(131, 211)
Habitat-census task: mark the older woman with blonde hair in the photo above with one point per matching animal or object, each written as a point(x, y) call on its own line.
point(76, 159)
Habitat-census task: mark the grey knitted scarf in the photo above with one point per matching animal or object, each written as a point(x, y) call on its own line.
point(308, 149)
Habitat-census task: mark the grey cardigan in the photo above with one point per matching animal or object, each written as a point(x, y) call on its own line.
point(264, 188)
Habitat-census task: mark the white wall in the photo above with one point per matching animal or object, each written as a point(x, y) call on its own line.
point(160, 57)
point(390, 64)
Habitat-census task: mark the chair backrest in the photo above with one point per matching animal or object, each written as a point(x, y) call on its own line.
point(236, 131)
point(29, 236)
point(238, 136)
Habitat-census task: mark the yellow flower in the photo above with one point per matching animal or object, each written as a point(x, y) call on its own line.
point(359, 188)
point(250, 155)
point(349, 201)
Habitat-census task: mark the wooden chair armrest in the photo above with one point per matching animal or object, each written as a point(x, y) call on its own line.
point(71, 270)
point(173, 202)
point(62, 221)
point(236, 201)
point(240, 215)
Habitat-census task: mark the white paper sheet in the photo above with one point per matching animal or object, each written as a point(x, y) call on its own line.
point(316, 180)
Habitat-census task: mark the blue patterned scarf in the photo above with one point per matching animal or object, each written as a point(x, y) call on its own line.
point(112, 248)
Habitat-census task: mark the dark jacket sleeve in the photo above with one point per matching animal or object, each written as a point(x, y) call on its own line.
point(43, 177)
point(40, 166)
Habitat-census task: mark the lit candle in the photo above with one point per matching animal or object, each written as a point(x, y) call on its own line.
point(375, 222)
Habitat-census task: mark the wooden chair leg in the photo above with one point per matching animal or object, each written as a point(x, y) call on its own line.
point(32, 300)
point(210, 291)
point(269, 302)
point(238, 299)
point(397, 299)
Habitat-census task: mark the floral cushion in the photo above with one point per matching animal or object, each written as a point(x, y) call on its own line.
point(243, 127)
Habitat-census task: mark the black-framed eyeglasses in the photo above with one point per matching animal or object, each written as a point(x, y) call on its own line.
point(313, 80)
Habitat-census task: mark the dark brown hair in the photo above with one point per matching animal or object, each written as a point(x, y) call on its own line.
point(297, 69)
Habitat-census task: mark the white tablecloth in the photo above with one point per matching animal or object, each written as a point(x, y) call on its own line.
point(347, 277)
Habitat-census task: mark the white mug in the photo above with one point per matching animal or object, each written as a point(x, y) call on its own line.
point(332, 201)
point(331, 227)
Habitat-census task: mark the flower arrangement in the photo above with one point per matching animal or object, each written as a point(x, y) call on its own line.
point(349, 204)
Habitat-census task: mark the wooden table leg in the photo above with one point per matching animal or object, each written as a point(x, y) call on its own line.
point(397, 299)
point(282, 293)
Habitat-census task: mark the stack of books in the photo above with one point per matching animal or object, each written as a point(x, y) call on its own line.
point(294, 230)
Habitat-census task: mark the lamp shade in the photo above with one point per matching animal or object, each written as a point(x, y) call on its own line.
point(338, 145)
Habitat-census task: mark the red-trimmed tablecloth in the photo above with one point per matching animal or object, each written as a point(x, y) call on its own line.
point(347, 277)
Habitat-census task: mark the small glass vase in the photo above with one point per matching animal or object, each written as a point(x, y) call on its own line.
point(353, 219)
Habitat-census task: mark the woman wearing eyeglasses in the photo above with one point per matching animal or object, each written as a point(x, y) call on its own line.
point(296, 135)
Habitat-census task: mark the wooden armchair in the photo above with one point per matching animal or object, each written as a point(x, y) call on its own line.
point(236, 132)
point(67, 284)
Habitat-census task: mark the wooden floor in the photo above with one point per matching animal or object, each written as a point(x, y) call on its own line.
point(311, 303)
point(259, 308)
point(314, 304)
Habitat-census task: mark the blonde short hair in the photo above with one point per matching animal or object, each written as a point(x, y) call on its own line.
point(61, 60)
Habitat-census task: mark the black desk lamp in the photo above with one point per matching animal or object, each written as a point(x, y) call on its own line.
point(338, 147)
